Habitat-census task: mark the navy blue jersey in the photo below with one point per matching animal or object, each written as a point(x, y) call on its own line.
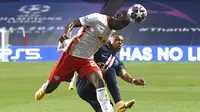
point(105, 56)
point(86, 89)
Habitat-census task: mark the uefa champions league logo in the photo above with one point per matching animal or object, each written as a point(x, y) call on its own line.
point(34, 9)
point(32, 13)
point(35, 17)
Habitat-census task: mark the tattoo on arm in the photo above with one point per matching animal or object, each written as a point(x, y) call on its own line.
point(125, 76)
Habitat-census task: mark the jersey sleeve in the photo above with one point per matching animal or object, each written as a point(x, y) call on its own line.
point(90, 19)
point(120, 66)
point(60, 45)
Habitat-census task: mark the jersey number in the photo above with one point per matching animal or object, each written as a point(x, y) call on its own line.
point(92, 63)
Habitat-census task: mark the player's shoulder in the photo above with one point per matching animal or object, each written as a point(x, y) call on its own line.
point(99, 16)
point(118, 61)
point(104, 48)
point(96, 14)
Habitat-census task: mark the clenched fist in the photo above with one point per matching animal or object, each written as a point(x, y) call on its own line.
point(64, 37)
point(139, 82)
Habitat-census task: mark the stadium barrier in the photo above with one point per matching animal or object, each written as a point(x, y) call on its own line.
point(127, 53)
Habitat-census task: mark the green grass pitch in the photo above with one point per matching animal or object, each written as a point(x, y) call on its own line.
point(171, 87)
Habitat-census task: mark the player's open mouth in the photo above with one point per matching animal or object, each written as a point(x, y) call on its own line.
point(119, 47)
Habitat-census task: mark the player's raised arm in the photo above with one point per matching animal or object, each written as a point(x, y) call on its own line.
point(71, 25)
point(128, 78)
point(88, 20)
point(68, 30)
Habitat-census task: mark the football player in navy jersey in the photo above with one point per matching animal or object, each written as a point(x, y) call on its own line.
point(111, 67)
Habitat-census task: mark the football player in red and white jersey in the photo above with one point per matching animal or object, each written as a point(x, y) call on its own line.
point(95, 30)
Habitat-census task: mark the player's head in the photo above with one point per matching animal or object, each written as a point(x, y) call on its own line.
point(116, 42)
point(119, 20)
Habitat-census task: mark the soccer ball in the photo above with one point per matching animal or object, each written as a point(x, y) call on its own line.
point(137, 13)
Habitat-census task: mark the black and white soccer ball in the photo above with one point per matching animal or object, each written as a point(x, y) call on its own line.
point(137, 13)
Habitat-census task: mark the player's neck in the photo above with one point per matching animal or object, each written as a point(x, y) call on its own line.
point(110, 25)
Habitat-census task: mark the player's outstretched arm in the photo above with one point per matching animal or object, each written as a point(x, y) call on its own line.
point(88, 20)
point(128, 78)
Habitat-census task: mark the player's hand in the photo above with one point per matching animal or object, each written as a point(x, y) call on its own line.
point(101, 65)
point(139, 82)
point(63, 37)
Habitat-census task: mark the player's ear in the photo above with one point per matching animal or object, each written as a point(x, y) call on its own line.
point(119, 15)
point(116, 15)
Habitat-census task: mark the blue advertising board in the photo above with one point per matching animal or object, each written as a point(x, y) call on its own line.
point(159, 53)
point(30, 53)
point(127, 53)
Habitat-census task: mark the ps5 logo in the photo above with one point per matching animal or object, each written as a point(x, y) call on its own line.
point(34, 9)
point(26, 53)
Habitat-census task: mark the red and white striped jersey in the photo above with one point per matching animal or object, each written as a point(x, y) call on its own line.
point(91, 36)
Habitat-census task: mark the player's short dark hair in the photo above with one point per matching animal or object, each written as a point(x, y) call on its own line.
point(111, 36)
point(115, 34)
point(123, 12)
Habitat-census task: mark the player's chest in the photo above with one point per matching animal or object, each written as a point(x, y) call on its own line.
point(100, 30)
